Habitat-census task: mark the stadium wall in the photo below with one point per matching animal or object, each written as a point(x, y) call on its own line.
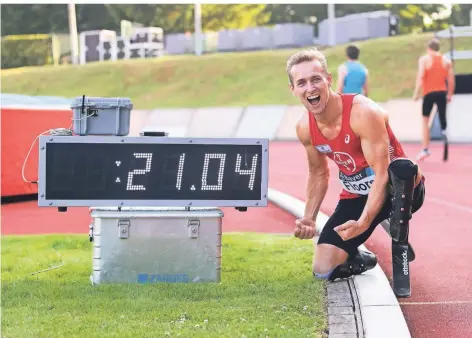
point(22, 124)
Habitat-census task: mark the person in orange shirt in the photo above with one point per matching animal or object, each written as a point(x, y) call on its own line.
point(436, 78)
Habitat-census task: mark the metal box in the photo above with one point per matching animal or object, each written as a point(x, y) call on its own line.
point(155, 245)
point(101, 116)
point(97, 45)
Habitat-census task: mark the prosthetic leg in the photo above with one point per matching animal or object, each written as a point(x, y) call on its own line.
point(411, 252)
point(402, 174)
point(446, 145)
point(355, 265)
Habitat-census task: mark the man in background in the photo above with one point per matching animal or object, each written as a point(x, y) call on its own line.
point(352, 75)
point(436, 79)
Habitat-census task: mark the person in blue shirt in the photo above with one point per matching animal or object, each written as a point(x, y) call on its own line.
point(353, 75)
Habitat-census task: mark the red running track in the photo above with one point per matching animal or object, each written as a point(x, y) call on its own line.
point(441, 303)
point(441, 233)
point(28, 219)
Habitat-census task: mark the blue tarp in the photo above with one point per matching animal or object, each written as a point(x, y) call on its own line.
point(26, 100)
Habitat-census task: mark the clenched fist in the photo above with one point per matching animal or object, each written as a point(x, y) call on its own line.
point(305, 228)
point(350, 229)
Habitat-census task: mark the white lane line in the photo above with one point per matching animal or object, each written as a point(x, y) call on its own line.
point(452, 302)
point(449, 204)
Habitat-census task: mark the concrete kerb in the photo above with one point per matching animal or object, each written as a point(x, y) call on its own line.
point(372, 311)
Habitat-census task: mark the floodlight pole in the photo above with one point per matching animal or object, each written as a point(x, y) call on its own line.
point(332, 25)
point(73, 39)
point(198, 29)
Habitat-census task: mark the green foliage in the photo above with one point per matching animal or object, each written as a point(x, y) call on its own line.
point(296, 13)
point(178, 18)
point(33, 18)
point(217, 17)
point(413, 17)
point(460, 15)
point(173, 18)
point(26, 50)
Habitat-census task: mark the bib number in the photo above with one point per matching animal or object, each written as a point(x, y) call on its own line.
point(359, 183)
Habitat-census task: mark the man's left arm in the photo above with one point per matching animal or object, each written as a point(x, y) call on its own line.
point(370, 126)
point(451, 85)
point(374, 142)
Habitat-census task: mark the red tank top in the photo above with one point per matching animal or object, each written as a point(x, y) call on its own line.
point(345, 150)
point(434, 79)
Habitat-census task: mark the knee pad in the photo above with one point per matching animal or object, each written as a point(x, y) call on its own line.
point(402, 175)
point(356, 265)
point(402, 169)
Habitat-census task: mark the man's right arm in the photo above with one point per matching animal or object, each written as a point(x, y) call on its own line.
point(450, 80)
point(318, 174)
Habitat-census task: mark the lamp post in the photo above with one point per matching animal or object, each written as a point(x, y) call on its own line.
point(73, 39)
point(332, 25)
point(198, 29)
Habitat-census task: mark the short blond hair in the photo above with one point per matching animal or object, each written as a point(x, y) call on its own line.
point(306, 56)
point(434, 44)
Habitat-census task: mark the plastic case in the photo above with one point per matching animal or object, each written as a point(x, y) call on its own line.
point(101, 116)
point(155, 245)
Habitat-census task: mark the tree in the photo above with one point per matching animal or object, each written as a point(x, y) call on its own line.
point(34, 19)
point(218, 17)
point(412, 17)
point(174, 18)
point(460, 15)
point(304, 13)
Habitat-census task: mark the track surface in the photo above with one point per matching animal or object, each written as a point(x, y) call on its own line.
point(28, 219)
point(441, 303)
point(441, 232)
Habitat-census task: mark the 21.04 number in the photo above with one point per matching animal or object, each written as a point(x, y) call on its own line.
point(205, 186)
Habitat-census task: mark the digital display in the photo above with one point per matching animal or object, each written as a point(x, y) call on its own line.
point(148, 173)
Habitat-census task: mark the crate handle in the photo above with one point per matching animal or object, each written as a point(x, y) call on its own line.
point(193, 228)
point(117, 120)
point(83, 116)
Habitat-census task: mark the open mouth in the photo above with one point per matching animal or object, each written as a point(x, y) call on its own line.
point(314, 99)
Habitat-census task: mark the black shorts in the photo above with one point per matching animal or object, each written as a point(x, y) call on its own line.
point(351, 209)
point(440, 99)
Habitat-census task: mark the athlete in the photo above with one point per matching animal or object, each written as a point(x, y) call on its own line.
point(436, 79)
point(378, 181)
point(353, 76)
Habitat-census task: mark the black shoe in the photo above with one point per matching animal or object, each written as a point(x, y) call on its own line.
point(355, 265)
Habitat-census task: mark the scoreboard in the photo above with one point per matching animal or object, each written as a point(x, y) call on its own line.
point(152, 171)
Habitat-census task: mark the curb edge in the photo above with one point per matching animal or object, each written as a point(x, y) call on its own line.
point(381, 314)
